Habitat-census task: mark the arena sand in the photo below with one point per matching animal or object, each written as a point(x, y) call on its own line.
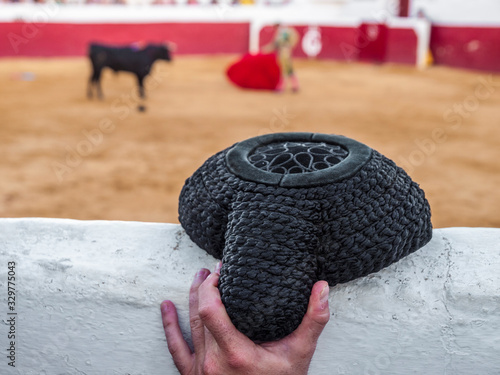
point(66, 156)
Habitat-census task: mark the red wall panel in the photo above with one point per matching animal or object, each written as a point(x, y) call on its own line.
point(467, 47)
point(401, 46)
point(339, 43)
point(372, 40)
point(61, 39)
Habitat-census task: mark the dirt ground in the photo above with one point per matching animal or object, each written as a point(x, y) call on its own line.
point(66, 156)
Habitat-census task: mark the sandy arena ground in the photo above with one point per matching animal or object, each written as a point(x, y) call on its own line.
point(66, 156)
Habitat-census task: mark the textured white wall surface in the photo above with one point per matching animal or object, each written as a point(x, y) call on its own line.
point(460, 12)
point(87, 297)
point(304, 10)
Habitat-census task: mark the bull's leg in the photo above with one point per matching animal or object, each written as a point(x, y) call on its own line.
point(95, 81)
point(90, 85)
point(141, 107)
point(140, 81)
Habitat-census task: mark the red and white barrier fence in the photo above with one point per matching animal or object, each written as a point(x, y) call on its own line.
point(326, 32)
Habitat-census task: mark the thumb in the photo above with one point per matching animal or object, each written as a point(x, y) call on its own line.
point(316, 317)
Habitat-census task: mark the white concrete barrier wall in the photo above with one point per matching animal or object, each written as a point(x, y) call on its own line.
point(87, 297)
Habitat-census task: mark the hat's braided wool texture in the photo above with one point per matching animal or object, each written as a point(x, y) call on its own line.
point(277, 242)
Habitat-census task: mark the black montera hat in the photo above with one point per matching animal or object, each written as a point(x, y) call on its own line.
point(286, 210)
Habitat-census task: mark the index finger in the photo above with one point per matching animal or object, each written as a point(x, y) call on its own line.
point(305, 337)
point(215, 318)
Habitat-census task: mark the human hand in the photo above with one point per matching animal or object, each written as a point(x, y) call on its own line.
point(220, 349)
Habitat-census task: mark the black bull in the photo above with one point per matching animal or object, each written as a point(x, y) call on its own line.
point(128, 59)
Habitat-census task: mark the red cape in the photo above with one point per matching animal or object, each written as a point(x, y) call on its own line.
point(260, 72)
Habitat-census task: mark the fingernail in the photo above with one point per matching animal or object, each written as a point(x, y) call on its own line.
point(218, 267)
point(323, 297)
point(201, 273)
point(164, 306)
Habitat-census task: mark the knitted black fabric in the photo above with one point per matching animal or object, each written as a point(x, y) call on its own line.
point(351, 212)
